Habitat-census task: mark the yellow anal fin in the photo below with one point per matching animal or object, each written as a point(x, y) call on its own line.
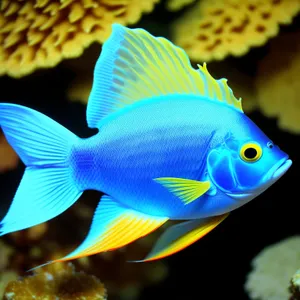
point(179, 236)
point(114, 226)
point(187, 190)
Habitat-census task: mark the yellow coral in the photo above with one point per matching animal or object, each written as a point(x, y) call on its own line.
point(63, 284)
point(272, 269)
point(40, 33)
point(174, 5)
point(215, 29)
point(277, 82)
point(5, 278)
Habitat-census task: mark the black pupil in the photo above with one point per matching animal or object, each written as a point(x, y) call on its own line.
point(250, 153)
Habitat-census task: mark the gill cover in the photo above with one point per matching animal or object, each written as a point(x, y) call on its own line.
point(221, 170)
point(230, 169)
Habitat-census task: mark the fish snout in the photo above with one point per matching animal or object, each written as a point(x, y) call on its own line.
point(280, 168)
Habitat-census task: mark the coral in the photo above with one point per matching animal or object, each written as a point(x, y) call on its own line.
point(175, 5)
point(41, 33)
point(215, 29)
point(5, 278)
point(8, 157)
point(272, 270)
point(277, 82)
point(295, 286)
point(53, 283)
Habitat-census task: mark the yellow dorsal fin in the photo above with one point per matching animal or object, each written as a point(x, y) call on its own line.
point(187, 190)
point(219, 89)
point(134, 65)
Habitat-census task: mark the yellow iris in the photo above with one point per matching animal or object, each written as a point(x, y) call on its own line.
point(251, 152)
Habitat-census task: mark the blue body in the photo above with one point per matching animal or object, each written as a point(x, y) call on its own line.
point(168, 136)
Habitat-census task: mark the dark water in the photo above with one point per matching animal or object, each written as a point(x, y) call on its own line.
point(216, 266)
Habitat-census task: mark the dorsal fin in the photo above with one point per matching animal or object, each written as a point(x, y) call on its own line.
point(134, 65)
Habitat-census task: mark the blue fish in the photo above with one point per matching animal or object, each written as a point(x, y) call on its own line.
point(173, 143)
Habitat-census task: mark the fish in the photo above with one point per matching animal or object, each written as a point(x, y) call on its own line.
point(172, 144)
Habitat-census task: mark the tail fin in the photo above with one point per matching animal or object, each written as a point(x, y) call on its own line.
point(47, 188)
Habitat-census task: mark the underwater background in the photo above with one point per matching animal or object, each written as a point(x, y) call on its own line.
point(47, 54)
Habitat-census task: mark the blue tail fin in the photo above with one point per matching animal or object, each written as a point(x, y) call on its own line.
point(47, 188)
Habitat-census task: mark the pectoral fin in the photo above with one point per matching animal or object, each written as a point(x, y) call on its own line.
point(187, 190)
point(179, 236)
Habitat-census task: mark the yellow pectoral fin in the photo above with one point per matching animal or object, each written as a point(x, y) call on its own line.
point(179, 236)
point(187, 190)
point(114, 226)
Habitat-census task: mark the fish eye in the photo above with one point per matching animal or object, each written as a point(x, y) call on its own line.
point(270, 145)
point(250, 152)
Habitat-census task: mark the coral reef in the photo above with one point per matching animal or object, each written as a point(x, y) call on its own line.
point(272, 269)
point(214, 29)
point(56, 283)
point(295, 286)
point(5, 278)
point(277, 82)
point(41, 33)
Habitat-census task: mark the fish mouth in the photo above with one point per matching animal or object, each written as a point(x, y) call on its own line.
point(280, 168)
point(277, 171)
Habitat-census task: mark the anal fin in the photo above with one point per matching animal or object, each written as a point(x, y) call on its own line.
point(179, 236)
point(114, 226)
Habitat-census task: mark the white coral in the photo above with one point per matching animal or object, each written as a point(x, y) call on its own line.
point(272, 270)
